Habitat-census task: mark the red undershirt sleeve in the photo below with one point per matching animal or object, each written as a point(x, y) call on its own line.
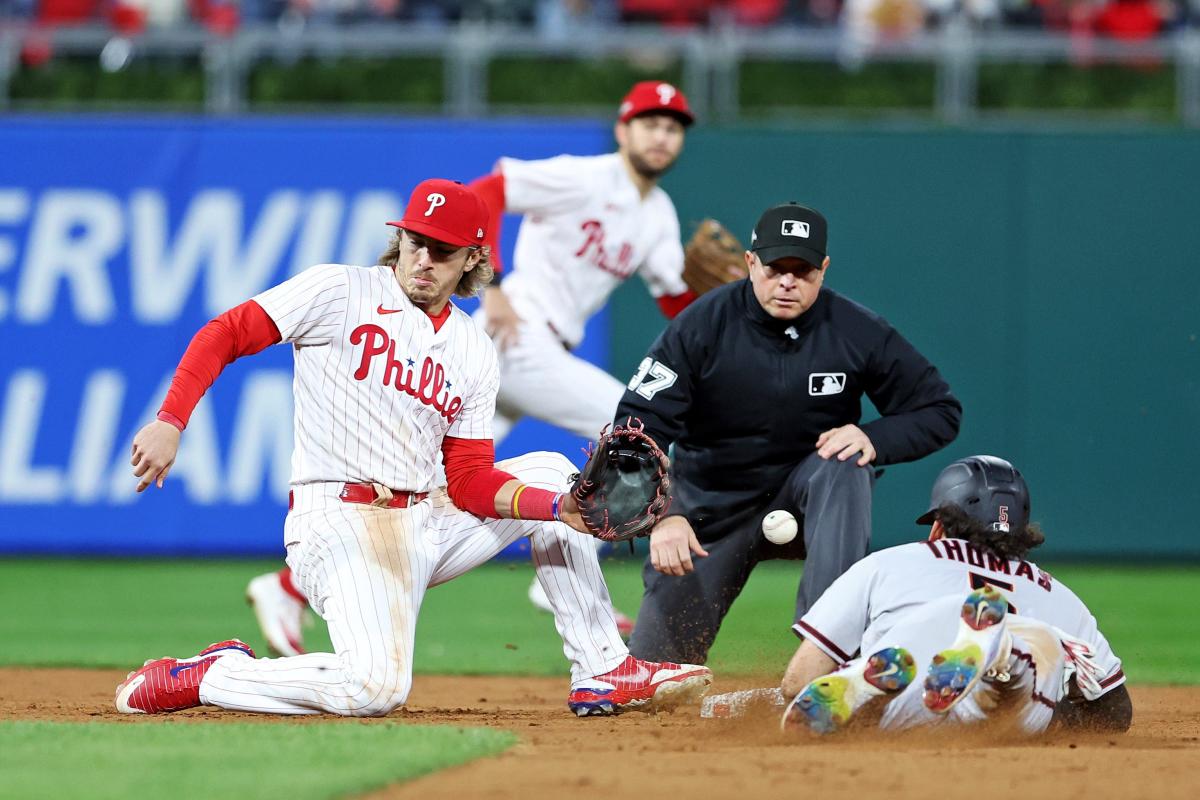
point(472, 482)
point(241, 331)
point(672, 304)
point(491, 189)
point(472, 479)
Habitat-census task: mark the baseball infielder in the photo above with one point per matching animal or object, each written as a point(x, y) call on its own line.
point(390, 375)
point(1021, 641)
point(590, 222)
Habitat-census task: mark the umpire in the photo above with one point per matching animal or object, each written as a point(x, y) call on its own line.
point(758, 385)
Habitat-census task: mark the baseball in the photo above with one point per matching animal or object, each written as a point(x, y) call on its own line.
point(779, 527)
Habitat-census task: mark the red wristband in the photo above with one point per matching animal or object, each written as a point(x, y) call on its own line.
point(531, 503)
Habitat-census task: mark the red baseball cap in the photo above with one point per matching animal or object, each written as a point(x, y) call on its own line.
point(446, 211)
point(655, 97)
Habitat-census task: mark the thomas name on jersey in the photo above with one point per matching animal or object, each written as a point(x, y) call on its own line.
point(973, 555)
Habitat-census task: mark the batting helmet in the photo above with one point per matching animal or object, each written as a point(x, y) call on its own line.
point(986, 488)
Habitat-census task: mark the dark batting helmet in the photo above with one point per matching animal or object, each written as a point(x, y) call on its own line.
point(986, 488)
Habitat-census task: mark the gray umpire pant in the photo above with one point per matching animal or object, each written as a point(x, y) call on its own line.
point(680, 616)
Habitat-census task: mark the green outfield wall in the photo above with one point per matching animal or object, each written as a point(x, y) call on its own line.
point(1054, 278)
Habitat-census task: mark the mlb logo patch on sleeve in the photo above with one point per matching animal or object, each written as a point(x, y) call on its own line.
point(823, 383)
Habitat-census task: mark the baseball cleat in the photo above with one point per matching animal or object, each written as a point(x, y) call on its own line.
point(980, 651)
point(828, 703)
point(172, 684)
point(279, 614)
point(640, 685)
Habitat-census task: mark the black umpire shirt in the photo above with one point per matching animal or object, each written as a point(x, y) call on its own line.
point(744, 396)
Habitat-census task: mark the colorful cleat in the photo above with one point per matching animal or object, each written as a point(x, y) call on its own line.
point(983, 644)
point(640, 685)
point(828, 703)
point(280, 615)
point(173, 684)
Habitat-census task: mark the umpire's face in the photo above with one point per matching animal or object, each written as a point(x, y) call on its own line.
point(787, 287)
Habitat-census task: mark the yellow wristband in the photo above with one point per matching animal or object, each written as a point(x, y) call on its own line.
point(517, 514)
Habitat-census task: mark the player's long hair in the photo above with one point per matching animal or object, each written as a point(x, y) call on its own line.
point(1011, 544)
point(471, 283)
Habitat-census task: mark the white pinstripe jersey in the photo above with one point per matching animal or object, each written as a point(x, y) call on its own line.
point(586, 230)
point(871, 597)
point(376, 388)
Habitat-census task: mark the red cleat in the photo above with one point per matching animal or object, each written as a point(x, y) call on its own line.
point(641, 685)
point(172, 684)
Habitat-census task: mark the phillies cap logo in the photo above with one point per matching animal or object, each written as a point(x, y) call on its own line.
point(795, 227)
point(665, 93)
point(436, 200)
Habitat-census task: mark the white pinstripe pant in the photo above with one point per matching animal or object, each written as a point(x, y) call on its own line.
point(365, 571)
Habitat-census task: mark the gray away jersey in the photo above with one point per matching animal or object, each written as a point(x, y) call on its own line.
point(866, 602)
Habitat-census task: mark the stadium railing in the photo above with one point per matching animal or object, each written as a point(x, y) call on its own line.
point(710, 59)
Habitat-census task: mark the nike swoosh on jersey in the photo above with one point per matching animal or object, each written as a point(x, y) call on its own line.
point(382, 310)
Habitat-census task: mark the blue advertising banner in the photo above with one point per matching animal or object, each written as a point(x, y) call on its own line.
point(119, 238)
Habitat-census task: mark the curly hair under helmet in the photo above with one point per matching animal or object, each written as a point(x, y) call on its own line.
point(1006, 544)
point(470, 284)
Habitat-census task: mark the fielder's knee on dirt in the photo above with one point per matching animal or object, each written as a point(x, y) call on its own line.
point(376, 689)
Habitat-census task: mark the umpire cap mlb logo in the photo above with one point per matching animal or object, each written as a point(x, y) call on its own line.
point(790, 230)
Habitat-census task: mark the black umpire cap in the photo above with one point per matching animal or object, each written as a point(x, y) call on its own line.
point(790, 230)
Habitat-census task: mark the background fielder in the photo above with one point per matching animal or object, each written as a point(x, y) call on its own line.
point(390, 377)
point(1007, 647)
point(590, 222)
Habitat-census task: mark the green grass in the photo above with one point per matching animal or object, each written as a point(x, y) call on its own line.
point(112, 760)
point(118, 613)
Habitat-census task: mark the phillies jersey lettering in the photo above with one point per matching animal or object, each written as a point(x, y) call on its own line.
point(377, 388)
point(432, 388)
point(586, 230)
point(593, 251)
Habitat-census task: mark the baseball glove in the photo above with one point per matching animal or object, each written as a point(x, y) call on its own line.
point(712, 257)
point(623, 489)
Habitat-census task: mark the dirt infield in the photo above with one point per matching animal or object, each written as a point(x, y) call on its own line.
point(638, 755)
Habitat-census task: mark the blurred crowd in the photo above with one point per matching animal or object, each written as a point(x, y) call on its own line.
point(1121, 19)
